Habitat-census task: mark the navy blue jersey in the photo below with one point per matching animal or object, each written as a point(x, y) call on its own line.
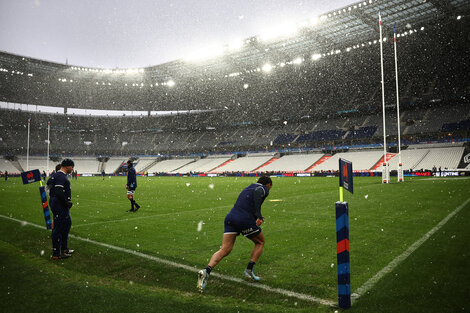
point(131, 178)
point(59, 179)
point(248, 205)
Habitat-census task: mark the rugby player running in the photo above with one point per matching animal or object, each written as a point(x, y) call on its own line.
point(245, 218)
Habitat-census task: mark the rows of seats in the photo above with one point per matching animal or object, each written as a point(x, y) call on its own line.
point(113, 164)
point(143, 163)
point(87, 165)
point(203, 165)
point(167, 166)
point(6, 165)
point(362, 132)
point(410, 159)
point(110, 141)
point(39, 163)
point(362, 160)
point(420, 157)
point(443, 157)
point(292, 163)
point(245, 164)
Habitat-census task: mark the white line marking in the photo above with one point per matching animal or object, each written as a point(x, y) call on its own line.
point(395, 262)
point(193, 269)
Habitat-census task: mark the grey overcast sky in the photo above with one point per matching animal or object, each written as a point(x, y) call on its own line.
point(138, 33)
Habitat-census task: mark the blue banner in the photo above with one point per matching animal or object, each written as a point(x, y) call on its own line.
point(31, 176)
point(346, 175)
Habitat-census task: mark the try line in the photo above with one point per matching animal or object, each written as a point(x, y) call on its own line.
point(193, 269)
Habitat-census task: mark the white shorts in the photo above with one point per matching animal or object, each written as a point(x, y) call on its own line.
point(130, 192)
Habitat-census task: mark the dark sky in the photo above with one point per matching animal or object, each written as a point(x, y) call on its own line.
point(138, 33)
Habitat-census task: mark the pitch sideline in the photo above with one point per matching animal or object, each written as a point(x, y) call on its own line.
point(194, 269)
point(399, 259)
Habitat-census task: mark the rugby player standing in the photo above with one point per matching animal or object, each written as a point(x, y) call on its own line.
point(131, 186)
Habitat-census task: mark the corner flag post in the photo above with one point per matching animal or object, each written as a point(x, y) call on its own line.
point(342, 235)
point(32, 177)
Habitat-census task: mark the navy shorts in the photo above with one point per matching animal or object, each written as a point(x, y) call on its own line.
point(245, 227)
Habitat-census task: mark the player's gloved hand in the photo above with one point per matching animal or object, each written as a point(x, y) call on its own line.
point(69, 204)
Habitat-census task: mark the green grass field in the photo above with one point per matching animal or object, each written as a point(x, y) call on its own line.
point(299, 255)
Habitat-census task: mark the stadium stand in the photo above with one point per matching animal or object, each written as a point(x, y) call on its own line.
point(87, 165)
point(218, 106)
point(39, 163)
point(168, 166)
point(6, 165)
point(143, 163)
point(362, 160)
point(113, 164)
point(446, 158)
point(292, 163)
point(204, 165)
point(246, 164)
point(410, 158)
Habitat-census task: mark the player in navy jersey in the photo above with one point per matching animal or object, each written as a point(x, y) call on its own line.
point(131, 186)
point(245, 218)
point(60, 200)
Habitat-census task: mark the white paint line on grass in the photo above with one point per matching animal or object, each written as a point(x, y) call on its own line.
point(399, 259)
point(189, 268)
point(145, 216)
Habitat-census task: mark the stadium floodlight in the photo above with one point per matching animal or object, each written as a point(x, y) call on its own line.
point(459, 17)
point(235, 44)
point(267, 68)
point(245, 86)
point(314, 20)
point(316, 57)
point(283, 30)
point(131, 71)
point(206, 53)
point(170, 83)
point(297, 60)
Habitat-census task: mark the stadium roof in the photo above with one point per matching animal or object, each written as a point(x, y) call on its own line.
point(333, 32)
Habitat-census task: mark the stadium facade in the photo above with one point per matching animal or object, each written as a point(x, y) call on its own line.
point(317, 90)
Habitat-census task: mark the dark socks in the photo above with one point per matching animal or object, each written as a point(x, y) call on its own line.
point(132, 204)
point(250, 266)
point(208, 269)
